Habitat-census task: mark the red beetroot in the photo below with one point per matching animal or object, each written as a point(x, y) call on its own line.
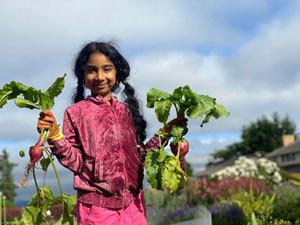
point(183, 146)
point(35, 153)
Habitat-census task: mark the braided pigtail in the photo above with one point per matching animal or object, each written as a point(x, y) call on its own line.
point(134, 106)
point(79, 94)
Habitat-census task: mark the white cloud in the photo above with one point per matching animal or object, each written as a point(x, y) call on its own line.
point(271, 59)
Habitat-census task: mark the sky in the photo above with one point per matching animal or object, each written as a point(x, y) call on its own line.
point(244, 53)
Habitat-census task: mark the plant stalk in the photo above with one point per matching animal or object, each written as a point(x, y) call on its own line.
point(56, 173)
point(161, 146)
point(35, 180)
point(176, 108)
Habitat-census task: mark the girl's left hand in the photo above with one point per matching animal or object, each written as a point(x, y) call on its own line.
point(181, 121)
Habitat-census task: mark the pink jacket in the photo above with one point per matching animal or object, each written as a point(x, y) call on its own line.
point(100, 147)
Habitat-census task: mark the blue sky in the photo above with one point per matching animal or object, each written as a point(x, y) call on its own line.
point(245, 53)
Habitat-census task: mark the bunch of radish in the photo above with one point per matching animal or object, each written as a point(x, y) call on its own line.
point(33, 98)
point(164, 170)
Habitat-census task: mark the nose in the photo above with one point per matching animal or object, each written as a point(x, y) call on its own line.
point(99, 75)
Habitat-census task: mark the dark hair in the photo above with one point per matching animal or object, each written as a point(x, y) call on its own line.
point(123, 71)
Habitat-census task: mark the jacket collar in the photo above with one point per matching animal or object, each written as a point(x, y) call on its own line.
point(100, 100)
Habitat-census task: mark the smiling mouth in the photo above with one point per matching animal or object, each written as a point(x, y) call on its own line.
point(100, 86)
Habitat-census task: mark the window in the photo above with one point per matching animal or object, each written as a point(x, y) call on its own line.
point(278, 159)
point(291, 157)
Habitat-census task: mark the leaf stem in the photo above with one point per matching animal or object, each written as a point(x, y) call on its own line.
point(176, 108)
point(35, 181)
point(178, 150)
point(162, 145)
point(56, 173)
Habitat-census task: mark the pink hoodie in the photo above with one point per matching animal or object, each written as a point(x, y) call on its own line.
point(100, 147)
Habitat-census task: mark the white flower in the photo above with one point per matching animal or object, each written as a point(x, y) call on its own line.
point(48, 213)
point(245, 167)
point(277, 177)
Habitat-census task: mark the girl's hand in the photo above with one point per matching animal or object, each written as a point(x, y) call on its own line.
point(181, 121)
point(47, 121)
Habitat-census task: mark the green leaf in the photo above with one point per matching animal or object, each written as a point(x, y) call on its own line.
point(22, 153)
point(162, 110)
point(45, 162)
point(23, 103)
point(156, 95)
point(45, 101)
point(173, 176)
point(152, 167)
point(220, 111)
point(163, 171)
point(202, 104)
point(29, 93)
point(56, 88)
point(29, 215)
point(4, 94)
point(32, 97)
point(42, 200)
point(69, 202)
point(177, 132)
point(217, 111)
point(161, 156)
point(32, 94)
point(177, 95)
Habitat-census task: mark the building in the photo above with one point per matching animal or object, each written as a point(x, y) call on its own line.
point(217, 166)
point(288, 156)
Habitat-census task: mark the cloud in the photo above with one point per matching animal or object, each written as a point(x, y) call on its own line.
point(271, 58)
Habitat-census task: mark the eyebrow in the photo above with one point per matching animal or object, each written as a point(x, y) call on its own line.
point(105, 65)
point(108, 65)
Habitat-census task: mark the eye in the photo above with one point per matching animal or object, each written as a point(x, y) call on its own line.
point(108, 69)
point(89, 69)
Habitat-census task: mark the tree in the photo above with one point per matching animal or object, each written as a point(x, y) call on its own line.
point(7, 185)
point(229, 151)
point(264, 135)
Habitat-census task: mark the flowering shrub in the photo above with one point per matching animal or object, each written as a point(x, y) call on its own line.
point(215, 190)
point(57, 211)
point(12, 213)
point(182, 214)
point(227, 214)
point(245, 167)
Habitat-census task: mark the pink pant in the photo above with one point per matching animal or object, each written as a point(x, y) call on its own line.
point(134, 214)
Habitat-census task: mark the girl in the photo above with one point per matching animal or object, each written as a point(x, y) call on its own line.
point(102, 140)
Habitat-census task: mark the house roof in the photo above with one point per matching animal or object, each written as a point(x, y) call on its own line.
point(292, 148)
point(214, 168)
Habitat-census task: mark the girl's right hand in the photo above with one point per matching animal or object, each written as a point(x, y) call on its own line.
point(47, 121)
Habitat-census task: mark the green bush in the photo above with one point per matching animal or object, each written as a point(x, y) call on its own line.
point(267, 219)
point(287, 204)
point(164, 199)
point(251, 204)
point(160, 204)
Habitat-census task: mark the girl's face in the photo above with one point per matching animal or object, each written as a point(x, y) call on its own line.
point(100, 75)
